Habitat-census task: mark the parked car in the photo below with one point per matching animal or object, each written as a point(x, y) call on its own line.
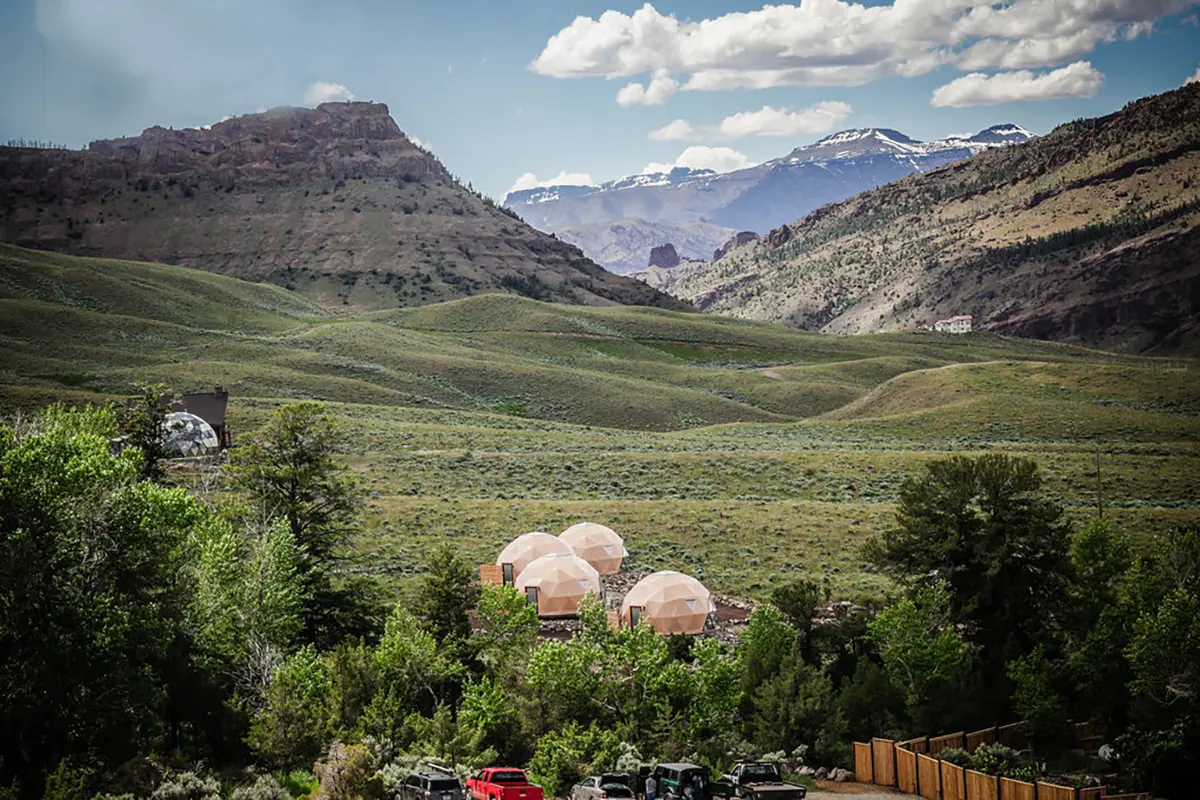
point(502, 783)
point(761, 780)
point(608, 786)
point(431, 784)
point(685, 782)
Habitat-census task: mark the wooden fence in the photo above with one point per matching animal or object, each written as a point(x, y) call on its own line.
point(954, 782)
point(985, 736)
point(929, 777)
point(981, 786)
point(1050, 791)
point(914, 767)
point(906, 770)
point(1011, 789)
point(864, 771)
point(883, 762)
point(1013, 736)
point(939, 743)
point(899, 765)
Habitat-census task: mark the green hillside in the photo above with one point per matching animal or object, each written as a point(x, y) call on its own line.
point(743, 451)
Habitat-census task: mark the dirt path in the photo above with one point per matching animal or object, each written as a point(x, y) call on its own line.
point(855, 791)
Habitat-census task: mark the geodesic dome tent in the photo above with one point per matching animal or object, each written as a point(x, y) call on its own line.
point(561, 581)
point(599, 546)
point(529, 546)
point(670, 601)
point(188, 435)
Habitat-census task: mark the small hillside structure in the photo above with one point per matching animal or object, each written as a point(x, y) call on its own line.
point(596, 544)
point(670, 602)
point(556, 584)
point(958, 324)
point(210, 407)
point(525, 549)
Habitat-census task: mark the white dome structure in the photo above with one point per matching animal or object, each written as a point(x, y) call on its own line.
point(561, 580)
point(670, 601)
point(187, 436)
point(599, 546)
point(527, 547)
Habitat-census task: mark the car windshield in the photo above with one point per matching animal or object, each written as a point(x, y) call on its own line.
point(753, 773)
point(443, 784)
point(508, 777)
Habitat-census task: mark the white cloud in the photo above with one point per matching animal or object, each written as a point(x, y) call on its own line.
point(839, 42)
point(718, 159)
point(769, 121)
point(421, 143)
point(661, 87)
point(679, 130)
point(977, 89)
point(1195, 77)
point(325, 92)
point(564, 178)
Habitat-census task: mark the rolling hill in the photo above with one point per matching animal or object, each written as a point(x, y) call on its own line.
point(743, 452)
point(334, 202)
point(1087, 235)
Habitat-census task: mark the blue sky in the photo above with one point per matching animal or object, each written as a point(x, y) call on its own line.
point(538, 88)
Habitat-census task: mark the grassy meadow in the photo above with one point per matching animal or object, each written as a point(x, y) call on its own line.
point(743, 452)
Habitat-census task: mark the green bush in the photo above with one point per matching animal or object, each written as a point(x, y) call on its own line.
point(188, 786)
point(956, 756)
point(996, 759)
point(564, 756)
point(68, 781)
point(346, 774)
point(298, 782)
point(265, 788)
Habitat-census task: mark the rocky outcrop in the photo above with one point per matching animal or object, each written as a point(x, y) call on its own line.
point(739, 239)
point(664, 256)
point(779, 237)
point(334, 202)
point(1089, 235)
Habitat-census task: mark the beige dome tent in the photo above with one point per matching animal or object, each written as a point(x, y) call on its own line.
point(558, 583)
point(529, 546)
point(599, 546)
point(671, 601)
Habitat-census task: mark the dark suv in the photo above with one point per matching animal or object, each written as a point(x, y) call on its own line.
point(431, 784)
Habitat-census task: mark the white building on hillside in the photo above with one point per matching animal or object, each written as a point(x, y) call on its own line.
point(959, 324)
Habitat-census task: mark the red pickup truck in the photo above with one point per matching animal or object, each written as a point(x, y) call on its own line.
point(502, 783)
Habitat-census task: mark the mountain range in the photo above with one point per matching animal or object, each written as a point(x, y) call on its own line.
point(334, 202)
point(617, 223)
point(1089, 234)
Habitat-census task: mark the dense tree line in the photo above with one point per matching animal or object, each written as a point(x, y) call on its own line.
point(146, 628)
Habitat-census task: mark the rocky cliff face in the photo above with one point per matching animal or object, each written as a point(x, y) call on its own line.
point(740, 239)
point(664, 256)
point(1090, 234)
point(334, 202)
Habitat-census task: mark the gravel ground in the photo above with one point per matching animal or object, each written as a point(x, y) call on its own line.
point(857, 791)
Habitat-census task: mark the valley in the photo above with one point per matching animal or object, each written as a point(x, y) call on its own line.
point(747, 452)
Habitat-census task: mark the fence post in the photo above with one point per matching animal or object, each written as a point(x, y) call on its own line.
point(941, 787)
point(964, 741)
point(895, 767)
point(917, 772)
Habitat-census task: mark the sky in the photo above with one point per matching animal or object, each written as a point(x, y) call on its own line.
point(519, 93)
